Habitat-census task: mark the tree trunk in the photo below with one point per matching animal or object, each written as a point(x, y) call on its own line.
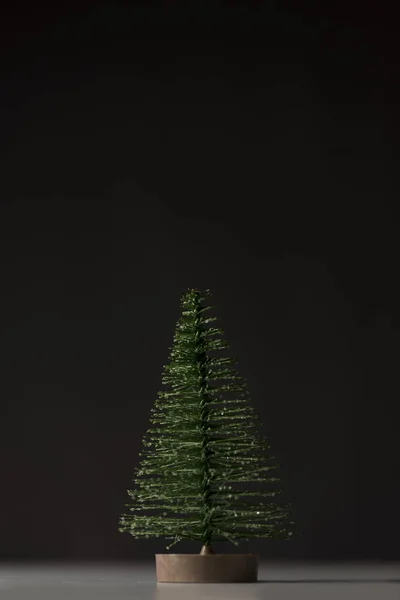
point(207, 550)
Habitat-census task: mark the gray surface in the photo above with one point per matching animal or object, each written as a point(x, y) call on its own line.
point(277, 582)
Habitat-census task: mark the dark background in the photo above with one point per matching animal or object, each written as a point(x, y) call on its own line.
point(250, 148)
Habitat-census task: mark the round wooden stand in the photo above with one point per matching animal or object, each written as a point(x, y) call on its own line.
point(207, 568)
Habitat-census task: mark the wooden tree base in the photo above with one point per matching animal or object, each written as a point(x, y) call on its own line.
point(206, 568)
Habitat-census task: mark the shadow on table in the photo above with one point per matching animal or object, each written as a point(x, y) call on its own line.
point(325, 580)
point(247, 591)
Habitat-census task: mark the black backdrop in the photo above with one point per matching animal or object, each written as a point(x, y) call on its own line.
point(251, 149)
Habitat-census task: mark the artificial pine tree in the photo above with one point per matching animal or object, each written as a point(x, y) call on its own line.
point(203, 448)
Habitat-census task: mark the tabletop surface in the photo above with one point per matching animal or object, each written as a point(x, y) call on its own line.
point(281, 581)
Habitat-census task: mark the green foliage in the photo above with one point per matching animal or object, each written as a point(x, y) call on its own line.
point(203, 446)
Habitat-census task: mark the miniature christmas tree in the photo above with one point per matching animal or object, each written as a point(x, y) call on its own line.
point(204, 448)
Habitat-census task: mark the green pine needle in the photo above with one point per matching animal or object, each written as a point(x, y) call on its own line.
point(204, 443)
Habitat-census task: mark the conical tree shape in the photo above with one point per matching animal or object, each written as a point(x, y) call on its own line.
point(204, 445)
